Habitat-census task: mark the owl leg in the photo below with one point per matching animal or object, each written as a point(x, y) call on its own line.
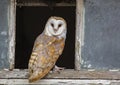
point(57, 69)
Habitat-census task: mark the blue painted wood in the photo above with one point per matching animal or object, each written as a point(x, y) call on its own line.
point(4, 33)
point(101, 48)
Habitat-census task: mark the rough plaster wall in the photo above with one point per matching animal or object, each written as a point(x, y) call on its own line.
point(101, 48)
point(4, 33)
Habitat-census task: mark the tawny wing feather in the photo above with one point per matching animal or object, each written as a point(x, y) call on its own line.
point(45, 53)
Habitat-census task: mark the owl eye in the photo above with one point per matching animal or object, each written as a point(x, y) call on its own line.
point(59, 25)
point(52, 24)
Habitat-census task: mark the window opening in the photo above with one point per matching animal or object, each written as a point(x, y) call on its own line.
point(30, 22)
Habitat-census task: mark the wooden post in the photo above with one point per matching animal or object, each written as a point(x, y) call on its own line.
point(12, 21)
point(79, 32)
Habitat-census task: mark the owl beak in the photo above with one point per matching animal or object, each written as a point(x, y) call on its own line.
point(55, 30)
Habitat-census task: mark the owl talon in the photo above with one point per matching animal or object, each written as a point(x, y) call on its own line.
point(57, 69)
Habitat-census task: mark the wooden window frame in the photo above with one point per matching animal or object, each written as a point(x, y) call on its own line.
point(17, 76)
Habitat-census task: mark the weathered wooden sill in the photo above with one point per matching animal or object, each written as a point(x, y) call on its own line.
point(44, 4)
point(68, 76)
point(65, 74)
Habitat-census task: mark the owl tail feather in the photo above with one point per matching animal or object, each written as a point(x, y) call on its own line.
point(36, 76)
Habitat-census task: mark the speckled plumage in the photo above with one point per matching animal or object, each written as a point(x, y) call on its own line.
point(46, 51)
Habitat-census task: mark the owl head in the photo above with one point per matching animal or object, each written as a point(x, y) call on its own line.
point(56, 26)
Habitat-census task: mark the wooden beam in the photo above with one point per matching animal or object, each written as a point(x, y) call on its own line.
point(65, 74)
point(12, 22)
point(79, 32)
point(44, 4)
point(60, 82)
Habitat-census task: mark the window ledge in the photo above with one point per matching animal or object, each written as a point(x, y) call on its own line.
point(60, 82)
point(65, 74)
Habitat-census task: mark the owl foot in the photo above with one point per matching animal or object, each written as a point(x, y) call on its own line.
point(57, 69)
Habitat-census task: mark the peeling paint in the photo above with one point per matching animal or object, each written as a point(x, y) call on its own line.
point(89, 66)
point(3, 33)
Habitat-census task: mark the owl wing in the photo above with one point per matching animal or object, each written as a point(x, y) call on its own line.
point(45, 53)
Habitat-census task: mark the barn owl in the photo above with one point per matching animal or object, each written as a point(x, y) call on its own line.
point(47, 48)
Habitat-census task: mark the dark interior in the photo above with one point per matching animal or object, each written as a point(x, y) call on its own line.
point(30, 22)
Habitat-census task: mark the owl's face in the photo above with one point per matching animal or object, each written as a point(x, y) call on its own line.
point(55, 26)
